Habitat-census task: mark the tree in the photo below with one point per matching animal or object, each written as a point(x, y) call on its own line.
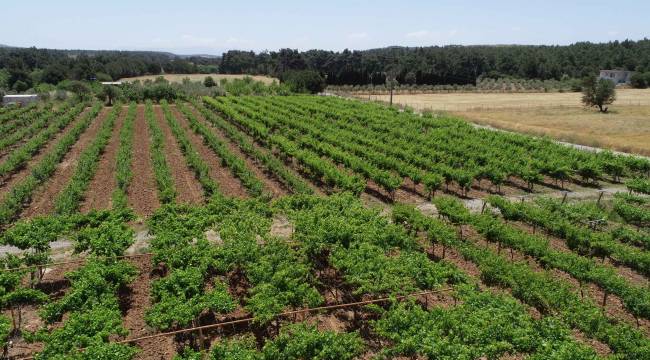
point(109, 93)
point(81, 90)
point(598, 92)
point(21, 86)
point(304, 81)
point(640, 80)
point(209, 82)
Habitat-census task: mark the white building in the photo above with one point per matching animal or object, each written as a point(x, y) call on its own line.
point(617, 76)
point(19, 99)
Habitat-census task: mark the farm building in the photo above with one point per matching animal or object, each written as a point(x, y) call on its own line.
point(617, 76)
point(19, 99)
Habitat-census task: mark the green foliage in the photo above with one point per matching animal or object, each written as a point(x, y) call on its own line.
point(89, 330)
point(372, 271)
point(109, 93)
point(298, 341)
point(302, 341)
point(69, 199)
point(639, 185)
point(21, 192)
point(194, 160)
point(93, 286)
point(544, 291)
point(180, 299)
point(164, 180)
point(237, 165)
point(104, 236)
point(598, 92)
point(280, 278)
point(209, 82)
point(304, 81)
point(124, 159)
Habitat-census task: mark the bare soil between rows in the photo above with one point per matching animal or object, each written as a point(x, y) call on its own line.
point(229, 185)
point(43, 201)
point(99, 193)
point(9, 182)
point(188, 188)
point(142, 192)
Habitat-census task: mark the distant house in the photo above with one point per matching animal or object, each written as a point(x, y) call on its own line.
point(117, 83)
point(19, 99)
point(617, 76)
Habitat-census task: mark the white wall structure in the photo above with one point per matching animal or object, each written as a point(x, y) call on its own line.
point(617, 76)
point(19, 99)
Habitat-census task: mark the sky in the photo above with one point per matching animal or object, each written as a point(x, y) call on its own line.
point(211, 27)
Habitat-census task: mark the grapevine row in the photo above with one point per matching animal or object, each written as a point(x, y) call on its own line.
point(124, 159)
point(270, 162)
point(13, 202)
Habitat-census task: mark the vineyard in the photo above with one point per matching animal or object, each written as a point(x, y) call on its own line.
point(312, 227)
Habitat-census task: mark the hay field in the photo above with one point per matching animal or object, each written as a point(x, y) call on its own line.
point(199, 77)
point(558, 115)
point(489, 101)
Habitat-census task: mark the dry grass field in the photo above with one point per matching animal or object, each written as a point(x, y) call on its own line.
point(559, 115)
point(199, 77)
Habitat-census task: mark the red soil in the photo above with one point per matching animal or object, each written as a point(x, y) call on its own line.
point(228, 184)
point(43, 201)
point(188, 188)
point(101, 187)
point(7, 183)
point(142, 192)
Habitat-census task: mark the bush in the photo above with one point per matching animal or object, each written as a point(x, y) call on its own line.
point(639, 80)
point(209, 82)
point(304, 81)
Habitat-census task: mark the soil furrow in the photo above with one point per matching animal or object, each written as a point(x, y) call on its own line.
point(137, 300)
point(8, 183)
point(229, 185)
point(43, 200)
point(270, 183)
point(188, 188)
point(100, 190)
point(315, 187)
point(142, 193)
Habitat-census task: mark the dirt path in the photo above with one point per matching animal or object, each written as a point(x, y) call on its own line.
point(142, 193)
point(229, 185)
point(101, 187)
point(43, 201)
point(137, 300)
point(188, 188)
point(9, 182)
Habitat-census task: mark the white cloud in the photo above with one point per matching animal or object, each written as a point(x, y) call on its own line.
point(612, 33)
point(418, 34)
point(357, 36)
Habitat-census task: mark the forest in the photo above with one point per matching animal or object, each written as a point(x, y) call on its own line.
point(24, 68)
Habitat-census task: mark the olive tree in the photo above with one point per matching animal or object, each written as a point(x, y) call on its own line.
point(598, 92)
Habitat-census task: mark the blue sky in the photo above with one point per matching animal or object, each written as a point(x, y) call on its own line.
point(211, 27)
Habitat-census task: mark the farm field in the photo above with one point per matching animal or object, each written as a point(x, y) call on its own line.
point(558, 115)
point(177, 78)
point(296, 227)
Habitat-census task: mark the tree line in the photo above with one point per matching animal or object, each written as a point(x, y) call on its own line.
point(24, 68)
point(446, 64)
